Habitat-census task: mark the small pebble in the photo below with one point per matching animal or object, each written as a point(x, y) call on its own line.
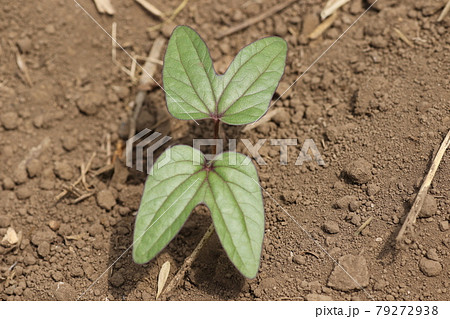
point(429, 207)
point(299, 259)
point(298, 116)
point(105, 199)
point(355, 220)
point(54, 225)
point(19, 270)
point(69, 143)
point(8, 183)
point(57, 276)
point(354, 205)
point(65, 230)
point(89, 271)
point(23, 192)
point(64, 171)
point(280, 27)
point(90, 103)
point(9, 120)
point(95, 229)
point(372, 189)
point(116, 280)
point(43, 249)
point(47, 180)
point(20, 175)
point(443, 225)
point(77, 272)
point(359, 171)
point(390, 298)
point(38, 121)
point(29, 260)
point(355, 277)
point(130, 196)
point(331, 227)
point(379, 42)
point(432, 254)
point(380, 284)
point(5, 221)
point(430, 268)
point(42, 236)
point(344, 202)
point(34, 167)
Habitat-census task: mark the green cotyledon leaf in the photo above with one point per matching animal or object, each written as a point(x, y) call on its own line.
point(235, 200)
point(180, 180)
point(240, 96)
point(174, 187)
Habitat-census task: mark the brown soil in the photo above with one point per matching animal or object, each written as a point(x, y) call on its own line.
point(377, 108)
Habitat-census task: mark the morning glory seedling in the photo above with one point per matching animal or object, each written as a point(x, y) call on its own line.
point(228, 185)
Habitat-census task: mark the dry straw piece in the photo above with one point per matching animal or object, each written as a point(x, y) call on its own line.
point(420, 198)
point(162, 277)
point(444, 12)
point(331, 7)
point(402, 36)
point(105, 6)
point(148, 71)
point(151, 8)
point(11, 237)
point(321, 28)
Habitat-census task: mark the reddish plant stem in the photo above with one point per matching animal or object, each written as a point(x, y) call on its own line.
point(216, 135)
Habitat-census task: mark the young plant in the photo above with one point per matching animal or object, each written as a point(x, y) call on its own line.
point(228, 185)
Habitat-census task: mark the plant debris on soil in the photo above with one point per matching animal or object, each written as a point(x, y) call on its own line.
point(376, 104)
